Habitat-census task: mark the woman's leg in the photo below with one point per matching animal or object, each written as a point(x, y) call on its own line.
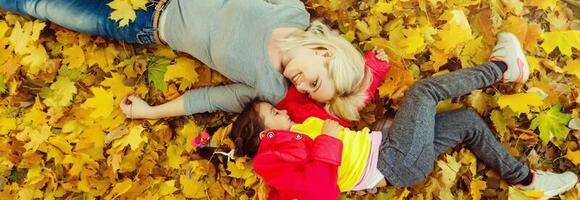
point(89, 16)
point(467, 127)
point(407, 149)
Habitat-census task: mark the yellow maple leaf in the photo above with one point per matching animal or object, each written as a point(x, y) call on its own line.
point(8, 124)
point(35, 116)
point(542, 4)
point(558, 21)
point(573, 156)
point(192, 188)
point(62, 93)
point(73, 56)
point(474, 52)
point(475, 188)
point(534, 64)
point(189, 131)
point(451, 36)
point(117, 85)
point(174, 158)
point(19, 38)
point(413, 42)
point(22, 36)
point(37, 137)
point(28, 192)
point(120, 188)
point(37, 27)
point(132, 139)
point(514, 6)
point(533, 35)
point(573, 67)
point(468, 158)
point(78, 161)
point(369, 27)
point(102, 102)
point(167, 187)
point(60, 143)
point(564, 40)
point(139, 4)
point(243, 170)
point(449, 169)
point(447, 105)
point(102, 57)
point(520, 102)
point(456, 31)
point(91, 142)
point(183, 68)
point(122, 12)
point(398, 77)
point(3, 28)
point(35, 59)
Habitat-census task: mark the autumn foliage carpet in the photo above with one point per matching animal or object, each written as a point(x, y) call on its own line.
point(63, 136)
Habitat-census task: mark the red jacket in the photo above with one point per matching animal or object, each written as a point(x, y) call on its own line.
point(300, 107)
point(297, 167)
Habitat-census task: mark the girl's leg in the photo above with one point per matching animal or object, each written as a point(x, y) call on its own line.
point(89, 16)
point(407, 149)
point(466, 126)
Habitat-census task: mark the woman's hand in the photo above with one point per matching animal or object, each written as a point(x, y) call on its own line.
point(136, 108)
point(380, 54)
point(331, 128)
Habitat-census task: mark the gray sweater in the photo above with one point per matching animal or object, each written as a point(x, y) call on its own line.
point(231, 37)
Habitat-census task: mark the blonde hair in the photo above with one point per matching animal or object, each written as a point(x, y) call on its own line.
point(346, 68)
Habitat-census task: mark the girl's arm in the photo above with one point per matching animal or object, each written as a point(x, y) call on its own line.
point(229, 98)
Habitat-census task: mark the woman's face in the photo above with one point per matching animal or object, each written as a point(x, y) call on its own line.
point(274, 118)
point(307, 72)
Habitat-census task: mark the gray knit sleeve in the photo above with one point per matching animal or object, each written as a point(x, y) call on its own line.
point(229, 98)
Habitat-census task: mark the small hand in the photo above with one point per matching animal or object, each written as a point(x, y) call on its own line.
point(136, 108)
point(331, 128)
point(381, 55)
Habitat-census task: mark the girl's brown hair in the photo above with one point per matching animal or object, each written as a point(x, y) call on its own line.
point(246, 130)
point(245, 134)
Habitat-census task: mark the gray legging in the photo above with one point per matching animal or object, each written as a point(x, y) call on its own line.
point(418, 134)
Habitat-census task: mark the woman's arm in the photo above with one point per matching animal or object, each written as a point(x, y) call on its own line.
point(229, 98)
point(136, 108)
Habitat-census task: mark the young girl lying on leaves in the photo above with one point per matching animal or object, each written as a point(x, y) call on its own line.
point(318, 159)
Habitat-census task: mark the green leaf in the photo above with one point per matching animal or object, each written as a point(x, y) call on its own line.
point(156, 71)
point(552, 123)
point(73, 74)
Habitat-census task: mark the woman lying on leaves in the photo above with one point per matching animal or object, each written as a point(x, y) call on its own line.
point(317, 159)
point(261, 45)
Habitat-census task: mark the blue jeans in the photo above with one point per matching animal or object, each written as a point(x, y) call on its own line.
point(89, 16)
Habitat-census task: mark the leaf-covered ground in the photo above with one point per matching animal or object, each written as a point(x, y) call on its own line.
point(63, 136)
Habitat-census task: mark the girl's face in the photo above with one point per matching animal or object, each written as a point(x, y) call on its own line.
point(274, 118)
point(307, 71)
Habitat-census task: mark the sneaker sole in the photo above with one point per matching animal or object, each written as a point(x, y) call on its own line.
point(552, 193)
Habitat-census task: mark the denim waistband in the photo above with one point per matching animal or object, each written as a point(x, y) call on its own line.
point(150, 34)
